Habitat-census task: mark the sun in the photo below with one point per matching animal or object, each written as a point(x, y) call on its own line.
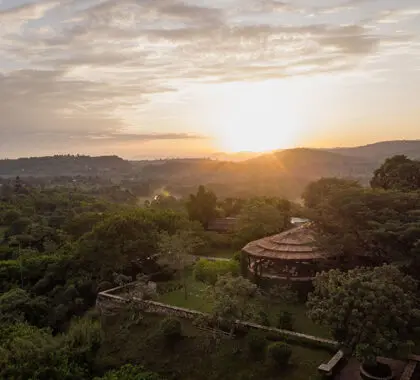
point(257, 119)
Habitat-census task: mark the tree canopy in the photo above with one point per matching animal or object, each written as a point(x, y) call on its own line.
point(202, 206)
point(262, 217)
point(397, 173)
point(319, 191)
point(370, 225)
point(371, 311)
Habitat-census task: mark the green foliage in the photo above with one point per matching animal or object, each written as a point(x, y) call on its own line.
point(127, 238)
point(279, 353)
point(129, 372)
point(31, 353)
point(171, 329)
point(83, 223)
point(397, 173)
point(17, 305)
point(285, 321)
point(365, 225)
point(371, 311)
point(82, 341)
point(256, 343)
point(10, 217)
point(320, 191)
point(175, 252)
point(261, 217)
point(202, 206)
point(234, 298)
point(208, 271)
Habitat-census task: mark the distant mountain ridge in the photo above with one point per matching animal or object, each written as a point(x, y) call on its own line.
point(299, 164)
point(381, 150)
point(64, 165)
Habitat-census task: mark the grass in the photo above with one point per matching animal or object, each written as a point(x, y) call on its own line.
point(197, 356)
point(225, 253)
point(197, 301)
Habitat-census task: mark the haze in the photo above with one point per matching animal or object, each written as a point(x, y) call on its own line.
point(160, 78)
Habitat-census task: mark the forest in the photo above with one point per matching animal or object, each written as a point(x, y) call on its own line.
point(64, 241)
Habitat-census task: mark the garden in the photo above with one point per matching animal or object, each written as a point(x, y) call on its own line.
point(177, 349)
point(199, 283)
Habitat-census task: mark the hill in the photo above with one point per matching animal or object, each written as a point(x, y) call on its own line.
point(381, 150)
point(280, 173)
point(64, 166)
point(312, 163)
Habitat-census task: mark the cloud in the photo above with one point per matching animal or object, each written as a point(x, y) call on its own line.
point(395, 16)
point(77, 69)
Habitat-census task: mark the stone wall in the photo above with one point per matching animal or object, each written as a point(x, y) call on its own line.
point(112, 300)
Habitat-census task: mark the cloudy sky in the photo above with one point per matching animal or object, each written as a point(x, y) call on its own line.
point(144, 78)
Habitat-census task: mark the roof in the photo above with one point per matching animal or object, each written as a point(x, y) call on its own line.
point(295, 244)
point(222, 224)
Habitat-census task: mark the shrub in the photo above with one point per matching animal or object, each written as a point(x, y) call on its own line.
point(171, 329)
point(302, 341)
point(263, 318)
point(208, 271)
point(285, 321)
point(256, 344)
point(237, 256)
point(280, 353)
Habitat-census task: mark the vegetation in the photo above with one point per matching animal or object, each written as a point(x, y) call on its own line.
point(397, 173)
point(371, 311)
point(176, 251)
point(64, 239)
point(208, 271)
point(261, 217)
point(280, 353)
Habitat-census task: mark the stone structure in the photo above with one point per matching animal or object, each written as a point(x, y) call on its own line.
point(290, 256)
point(111, 301)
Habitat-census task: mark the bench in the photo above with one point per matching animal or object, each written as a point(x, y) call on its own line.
point(328, 368)
point(410, 367)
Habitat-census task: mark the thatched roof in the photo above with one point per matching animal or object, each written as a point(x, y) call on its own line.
point(294, 244)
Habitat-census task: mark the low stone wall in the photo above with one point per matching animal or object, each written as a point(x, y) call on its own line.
point(109, 302)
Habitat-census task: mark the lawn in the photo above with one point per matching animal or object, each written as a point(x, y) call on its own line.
point(225, 253)
point(197, 301)
point(198, 355)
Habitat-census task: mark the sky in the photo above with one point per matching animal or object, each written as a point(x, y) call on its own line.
point(166, 78)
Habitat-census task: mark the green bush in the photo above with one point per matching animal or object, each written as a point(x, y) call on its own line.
point(208, 271)
point(301, 341)
point(285, 321)
point(256, 344)
point(237, 256)
point(280, 353)
point(263, 318)
point(171, 329)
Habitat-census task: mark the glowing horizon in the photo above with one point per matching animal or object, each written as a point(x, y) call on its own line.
point(188, 78)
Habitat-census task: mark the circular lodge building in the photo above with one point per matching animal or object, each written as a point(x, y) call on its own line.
point(290, 256)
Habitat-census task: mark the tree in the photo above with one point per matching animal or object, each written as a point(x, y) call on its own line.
point(234, 298)
point(370, 311)
point(202, 207)
point(31, 353)
point(176, 251)
point(368, 226)
point(127, 242)
point(321, 190)
point(262, 217)
point(397, 173)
